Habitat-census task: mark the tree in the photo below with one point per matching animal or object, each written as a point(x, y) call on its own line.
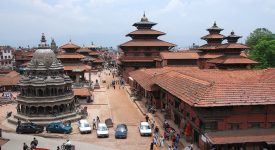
point(262, 44)
point(257, 35)
point(264, 52)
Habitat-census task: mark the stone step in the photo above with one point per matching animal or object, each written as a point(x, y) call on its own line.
point(75, 118)
point(44, 118)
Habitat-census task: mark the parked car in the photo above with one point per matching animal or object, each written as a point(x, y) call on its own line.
point(84, 126)
point(121, 131)
point(102, 130)
point(145, 129)
point(29, 128)
point(58, 127)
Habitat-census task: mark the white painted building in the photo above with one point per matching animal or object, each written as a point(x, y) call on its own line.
point(6, 57)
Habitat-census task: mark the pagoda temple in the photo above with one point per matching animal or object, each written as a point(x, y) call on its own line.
point(143, 51)
point(72, 61)
point(45, 91)
point(92, 57)
point(215, 54)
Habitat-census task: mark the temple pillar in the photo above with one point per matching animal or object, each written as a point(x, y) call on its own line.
point(77, 77)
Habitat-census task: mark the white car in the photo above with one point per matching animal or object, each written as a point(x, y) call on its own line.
point(102, 130)
point(84, 126)
point(145, 129)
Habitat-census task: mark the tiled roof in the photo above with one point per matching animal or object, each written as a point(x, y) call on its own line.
point(9, 79)
point(80, 67)
point(231, 59)
point(211, 55)
point(241, 136)
point(146, 31)
point(68, 55)
point(70, 45)
point(148, 42)
point(144, 77)
point(233, 46)
point(208, 47)
point(136, 59)
point(94, 53)
point(213, 36)
point(83, 50)
point(179, 55)
point(98, 60)
point(213, 87)
point(81, 92)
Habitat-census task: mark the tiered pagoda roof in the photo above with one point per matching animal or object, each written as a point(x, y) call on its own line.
point(145, 36)
point(225, 54)
point(70, 45)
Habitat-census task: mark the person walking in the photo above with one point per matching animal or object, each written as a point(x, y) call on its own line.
point(35, 141)
point(151, 145)
point(25, 146)
point(147, 118)
point(156, 131)
point(58, 148)
point(18, 122)
point(94, 124)
point(97, 119)
point(161, 141)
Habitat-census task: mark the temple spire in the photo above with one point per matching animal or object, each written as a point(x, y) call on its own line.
point(43, 44)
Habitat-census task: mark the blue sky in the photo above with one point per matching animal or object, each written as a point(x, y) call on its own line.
point(106, 22)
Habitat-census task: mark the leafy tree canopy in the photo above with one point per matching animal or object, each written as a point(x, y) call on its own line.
point(257, 35)
point(262, 44)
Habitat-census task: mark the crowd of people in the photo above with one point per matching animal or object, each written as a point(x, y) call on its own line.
point(169, 135)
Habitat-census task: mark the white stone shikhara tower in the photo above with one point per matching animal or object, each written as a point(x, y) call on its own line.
point(45, 91)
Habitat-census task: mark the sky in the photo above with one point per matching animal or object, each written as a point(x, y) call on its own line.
point(106, 22)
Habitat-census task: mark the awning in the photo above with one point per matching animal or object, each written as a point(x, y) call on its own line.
point(241, 136)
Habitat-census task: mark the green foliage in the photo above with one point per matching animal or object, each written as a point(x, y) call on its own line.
point(264, 52)
point(257, 35)
point(262, 44)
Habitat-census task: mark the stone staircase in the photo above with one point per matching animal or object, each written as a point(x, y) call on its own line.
point(72, 117)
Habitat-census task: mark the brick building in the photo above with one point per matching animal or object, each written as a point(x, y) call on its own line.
point(223, 108)
point(219, 102)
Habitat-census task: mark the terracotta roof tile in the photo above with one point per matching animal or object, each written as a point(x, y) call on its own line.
point(82, 92)
point(179, 55)
point(136, 59)
point(146, 31)
point(83, 50)
point(233, 46)
point(94, 53)
point(68, 55)
point(213, 36)
point(70, 45)
point(80, 67)
point(151, 42)
point(9, 79)
point(211, 55)
point(213, 87)
point(230, 59)
point(245, 136)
